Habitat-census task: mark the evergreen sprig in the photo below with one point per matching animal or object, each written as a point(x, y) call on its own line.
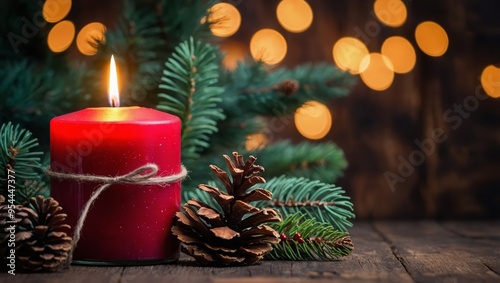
point(324, 161)
point(16, 155)
point(182, 19)
point(324, 202)
point(260, 88)
point(304, 238)
point(190, 91)
point(32, 94)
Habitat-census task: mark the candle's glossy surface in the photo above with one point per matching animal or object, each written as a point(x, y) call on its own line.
point(127, 223)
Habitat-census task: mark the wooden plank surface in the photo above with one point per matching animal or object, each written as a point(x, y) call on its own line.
point(483, 233)
point(432, 253)
point(384, 252)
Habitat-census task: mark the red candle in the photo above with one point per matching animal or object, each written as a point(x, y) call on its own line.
point(128, 223)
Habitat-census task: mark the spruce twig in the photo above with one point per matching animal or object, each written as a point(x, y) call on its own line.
point(324, 161)
point(282, 91)
point(324, 202)
point(190, 92)
point(305, 238)
point(16, 154)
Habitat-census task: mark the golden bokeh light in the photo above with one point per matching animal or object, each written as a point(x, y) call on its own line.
point(235, 51)
point(391, 13)
point(256, 141)
point(224, 19)
point(269, 46)
point(55, 10)
point(378, 71)
point(88, 35)
point(313, 120)
point(401, 53)
point(348, 53)
point(431, 38)
point(294, 15)
point(61, 36)
point(490, 80)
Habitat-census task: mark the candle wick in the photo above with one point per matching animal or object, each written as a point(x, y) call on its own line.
point(114, 102)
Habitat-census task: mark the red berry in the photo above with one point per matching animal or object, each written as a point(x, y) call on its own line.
point(297, 236)
point(319, 240)
point(300, 240)
point(283, 237)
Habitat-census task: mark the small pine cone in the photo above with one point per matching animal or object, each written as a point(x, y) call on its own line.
point(41, 241)
point(235, 233)
point(344, 243)
point(288, 87)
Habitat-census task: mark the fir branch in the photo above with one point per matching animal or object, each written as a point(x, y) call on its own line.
point(305, 238)
point(16, 154)
point(31, 188)
point(261, 91)
point(181, 19)
point(325, 202)
point(190, 92)
point(33, 94)
point(324, 162)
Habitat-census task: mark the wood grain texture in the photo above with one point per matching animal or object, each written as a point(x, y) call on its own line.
point(77, 274)
point(432, 253)
point(384, 252)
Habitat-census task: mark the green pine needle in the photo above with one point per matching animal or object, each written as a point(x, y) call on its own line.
point(324, 162)
point(190, 91)
point(304, 238)
point(260, 90)
point(16, 154)
point(324, 202)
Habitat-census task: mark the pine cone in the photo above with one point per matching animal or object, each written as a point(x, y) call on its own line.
point(8, 221)
point(41, 243)
point(236, 234)
point(288, 87)
point(344, 243)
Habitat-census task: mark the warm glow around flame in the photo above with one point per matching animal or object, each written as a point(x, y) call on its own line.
point(113, 95)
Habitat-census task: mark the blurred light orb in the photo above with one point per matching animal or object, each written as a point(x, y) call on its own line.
point(378, 71)
point(401, 53)
point(269, 46)
point(235, 51)
point(88, 35)
point(490, 81)
point(348, 53)
point(391, 13)
point(61, 36)
point(256, 141)
point(313, 120)
point(55, 10)
point(294, 15)
point(431, 38)
point(224, 19)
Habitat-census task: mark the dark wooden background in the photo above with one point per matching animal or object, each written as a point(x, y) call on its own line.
point(461, 178)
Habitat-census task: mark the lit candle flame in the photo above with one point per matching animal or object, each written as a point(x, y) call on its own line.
point(113, 95)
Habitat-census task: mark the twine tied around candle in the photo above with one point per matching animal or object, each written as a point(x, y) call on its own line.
point(144, 175)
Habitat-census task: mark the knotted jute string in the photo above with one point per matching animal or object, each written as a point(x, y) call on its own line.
point(144, 175)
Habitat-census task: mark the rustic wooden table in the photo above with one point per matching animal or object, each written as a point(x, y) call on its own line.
point(420, 251)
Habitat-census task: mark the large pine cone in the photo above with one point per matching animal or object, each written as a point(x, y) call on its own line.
point(41, 241)
point(235, 233)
